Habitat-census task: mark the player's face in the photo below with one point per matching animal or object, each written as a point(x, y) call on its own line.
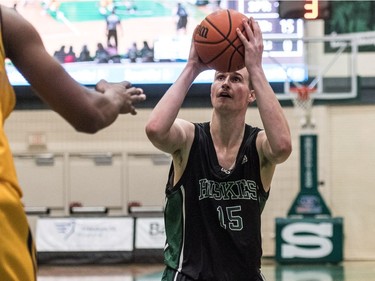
point(231, 90)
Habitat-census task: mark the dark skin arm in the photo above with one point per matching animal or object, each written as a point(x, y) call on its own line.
point(87, 110)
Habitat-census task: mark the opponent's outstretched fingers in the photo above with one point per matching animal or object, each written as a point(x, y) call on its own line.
point(133, 111)
point(135, 95)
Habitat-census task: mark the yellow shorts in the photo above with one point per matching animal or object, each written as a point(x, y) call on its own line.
point(17, 249)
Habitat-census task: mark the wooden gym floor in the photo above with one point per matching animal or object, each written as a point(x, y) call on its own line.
point(346, 271)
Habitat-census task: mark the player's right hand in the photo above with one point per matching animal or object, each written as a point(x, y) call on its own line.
point(123, 93)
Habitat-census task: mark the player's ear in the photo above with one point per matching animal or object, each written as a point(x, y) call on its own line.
point(251, 97)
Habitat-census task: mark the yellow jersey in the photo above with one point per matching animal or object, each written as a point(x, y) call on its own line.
point(17, 251)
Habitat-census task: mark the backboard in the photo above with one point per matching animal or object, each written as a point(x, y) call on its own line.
point(331, 75)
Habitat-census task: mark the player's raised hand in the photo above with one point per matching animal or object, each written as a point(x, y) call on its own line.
point(253, 43)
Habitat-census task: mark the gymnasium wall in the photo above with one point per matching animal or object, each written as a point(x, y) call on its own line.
point(119, 165)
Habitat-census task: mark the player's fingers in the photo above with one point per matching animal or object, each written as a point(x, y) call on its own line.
point(248, 36)
point(240, 34)
point(248, 28)
point(195, 31)
point(256, 29)
point(133, 91)
point(133, 111)
point(127, 106)
point(101, 86)
point(137, 95)
point(126, 84)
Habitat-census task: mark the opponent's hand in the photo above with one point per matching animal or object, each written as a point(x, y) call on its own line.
point(123, 93)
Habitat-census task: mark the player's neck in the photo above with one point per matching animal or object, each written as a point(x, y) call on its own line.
point(227, 134)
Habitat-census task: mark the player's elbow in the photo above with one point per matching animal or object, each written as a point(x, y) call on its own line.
point(87, 128)
point(283, 150)
point(152, 130)
point(156, 132)
point(89, 124)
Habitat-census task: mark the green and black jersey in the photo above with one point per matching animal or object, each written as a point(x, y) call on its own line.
point(212, 215)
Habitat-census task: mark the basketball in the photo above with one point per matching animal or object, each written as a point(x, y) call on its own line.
point(217, 43)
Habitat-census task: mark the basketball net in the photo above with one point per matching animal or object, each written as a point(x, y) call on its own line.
point(302, 97)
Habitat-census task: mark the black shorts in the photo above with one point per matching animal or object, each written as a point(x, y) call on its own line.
point(173, 275)
point(182, 22)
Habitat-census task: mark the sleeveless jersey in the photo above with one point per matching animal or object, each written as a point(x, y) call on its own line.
point(17, 251)
point(212, 215)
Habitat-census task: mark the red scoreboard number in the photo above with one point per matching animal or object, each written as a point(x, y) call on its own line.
point(304, 9)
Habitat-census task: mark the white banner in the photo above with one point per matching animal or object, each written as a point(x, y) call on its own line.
point(84, 234)
point(149, 233)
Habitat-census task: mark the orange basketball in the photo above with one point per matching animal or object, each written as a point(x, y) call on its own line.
point(217, 43)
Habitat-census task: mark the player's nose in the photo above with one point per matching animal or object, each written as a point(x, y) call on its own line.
point(226, 82)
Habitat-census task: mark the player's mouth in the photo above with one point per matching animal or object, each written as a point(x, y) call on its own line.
point(224, 94)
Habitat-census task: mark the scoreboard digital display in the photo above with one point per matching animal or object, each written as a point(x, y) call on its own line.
point(283, 46)
point(305, 9)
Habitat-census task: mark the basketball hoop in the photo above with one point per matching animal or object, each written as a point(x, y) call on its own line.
point(302, 97)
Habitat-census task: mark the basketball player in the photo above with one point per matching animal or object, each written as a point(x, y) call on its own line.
point(86, 110)
point(221, 171)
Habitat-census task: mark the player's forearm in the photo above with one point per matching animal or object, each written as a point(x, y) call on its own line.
point(167, 109)
point(273, 117)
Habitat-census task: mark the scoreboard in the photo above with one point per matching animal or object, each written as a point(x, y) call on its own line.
point(283, 46)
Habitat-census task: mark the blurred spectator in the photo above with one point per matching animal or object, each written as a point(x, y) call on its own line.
point(101, 54)
point(60, 54)
point(113, 54)
point(133, 52)
point(182, 18)
point(70, 56)
point(84, 54)
point(147, 53)
point(111, 50)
